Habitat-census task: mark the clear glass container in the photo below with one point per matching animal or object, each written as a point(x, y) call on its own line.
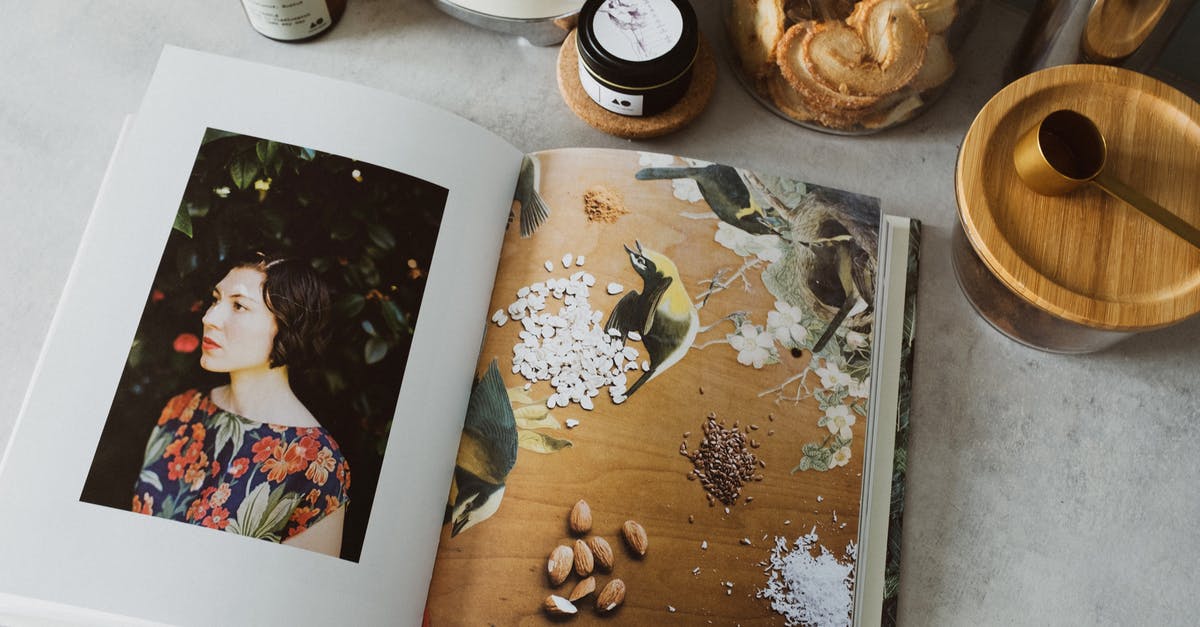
point(845, 66)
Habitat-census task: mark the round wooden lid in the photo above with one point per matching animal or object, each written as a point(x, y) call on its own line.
point(1085, 256)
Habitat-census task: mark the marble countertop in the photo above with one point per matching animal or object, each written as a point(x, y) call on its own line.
point(1042, 489)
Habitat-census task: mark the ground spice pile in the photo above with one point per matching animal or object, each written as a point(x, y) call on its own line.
point(723, 463)
point(601, 204)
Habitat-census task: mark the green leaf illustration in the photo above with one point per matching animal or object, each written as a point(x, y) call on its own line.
point(375, 350)
point(151, 477)
point(243, 170)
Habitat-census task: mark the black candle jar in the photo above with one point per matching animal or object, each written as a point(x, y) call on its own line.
point(636, 56)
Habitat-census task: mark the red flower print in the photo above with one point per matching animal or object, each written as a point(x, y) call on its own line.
point(282, 462)
point(196, 472)
point(175, 468)
point(218, 519)
point(343, 475)
point(221, 495)
point(173, 449)
point(186, 343)
point(197, 509)
point(238, 467)
point(264, 448)
point(193, 452)
point(313, 495)
point(175, 406)
point(143, 505)
point(197, 431)
point(216, 468)
point(307, 448)
point(319, 470)
point(196, 306)
point(302, 515)
point(156, 296)
point(331, 504)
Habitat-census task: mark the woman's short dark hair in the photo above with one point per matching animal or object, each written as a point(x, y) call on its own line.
point(300, 301)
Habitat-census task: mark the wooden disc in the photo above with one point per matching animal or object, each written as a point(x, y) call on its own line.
point(704, 77)
point(1085, 256)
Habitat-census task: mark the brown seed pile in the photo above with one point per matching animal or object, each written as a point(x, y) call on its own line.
point(723, 463)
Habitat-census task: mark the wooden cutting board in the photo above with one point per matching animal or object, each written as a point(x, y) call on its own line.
point(1087, 257)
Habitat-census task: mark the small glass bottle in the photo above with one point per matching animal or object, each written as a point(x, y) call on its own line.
point(293, 20)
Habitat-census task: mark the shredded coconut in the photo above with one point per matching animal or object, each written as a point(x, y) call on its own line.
point(807, 590)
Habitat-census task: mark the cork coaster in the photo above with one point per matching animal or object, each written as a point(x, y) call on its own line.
point(704, 77)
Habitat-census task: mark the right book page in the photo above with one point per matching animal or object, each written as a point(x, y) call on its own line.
point(669, 420)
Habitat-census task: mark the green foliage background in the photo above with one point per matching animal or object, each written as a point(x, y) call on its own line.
point(368, 231)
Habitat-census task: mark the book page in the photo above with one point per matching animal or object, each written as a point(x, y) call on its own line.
point(684, 347)
point(185, 436)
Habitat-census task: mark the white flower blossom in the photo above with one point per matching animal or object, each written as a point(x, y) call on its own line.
point(854, 339)
point(223, 192)
point(753, 346)
point(784, 323)
point(840, 458)
point(765, 247)
point(831, 377)
point(840, 420)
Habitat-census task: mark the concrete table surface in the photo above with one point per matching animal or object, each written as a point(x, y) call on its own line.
point(1042, 489)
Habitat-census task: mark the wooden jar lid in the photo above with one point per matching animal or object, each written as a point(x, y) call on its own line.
point(1087, 257)
point(704, 77)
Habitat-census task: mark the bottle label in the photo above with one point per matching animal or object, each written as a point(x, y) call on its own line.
point(615, 101)
point(288, 19)
point(638, 30)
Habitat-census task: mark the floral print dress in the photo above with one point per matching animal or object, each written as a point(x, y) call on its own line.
point(210, 467)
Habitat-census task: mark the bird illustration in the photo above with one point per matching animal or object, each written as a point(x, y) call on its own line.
point(662, 313)
point(725, 192)
point(527, 202)
point(486, 454)
point(841, 275)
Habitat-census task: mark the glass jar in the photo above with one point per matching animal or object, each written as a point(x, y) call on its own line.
point(846, 66)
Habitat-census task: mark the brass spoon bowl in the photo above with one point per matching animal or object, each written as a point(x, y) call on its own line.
point(1066, 151)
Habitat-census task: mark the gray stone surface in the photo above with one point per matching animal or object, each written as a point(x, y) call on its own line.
point(1042, 490)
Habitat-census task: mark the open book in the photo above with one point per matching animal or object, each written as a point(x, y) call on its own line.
point(690, 377)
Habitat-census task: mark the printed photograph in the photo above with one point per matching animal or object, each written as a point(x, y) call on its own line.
point(259, 390)
point(669, 416)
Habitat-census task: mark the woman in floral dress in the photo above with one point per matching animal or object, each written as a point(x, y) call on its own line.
point(247, 457)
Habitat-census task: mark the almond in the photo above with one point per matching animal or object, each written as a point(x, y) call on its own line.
point(581, 518)
point(562, 558)
point(582, 589)
point(635, 537)
point(558, 606)
point(611, 596)
point(583, 559)
point(601, 551)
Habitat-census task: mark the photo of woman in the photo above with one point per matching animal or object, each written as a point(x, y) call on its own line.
point(272, 346)
point(252, 439)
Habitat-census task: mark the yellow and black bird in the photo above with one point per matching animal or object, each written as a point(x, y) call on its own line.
point(662, 313)
point(486, 454)
point(527, 202)
point(841, 276)
point(726, 194)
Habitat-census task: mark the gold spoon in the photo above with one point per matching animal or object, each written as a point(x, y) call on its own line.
point(1065, 151)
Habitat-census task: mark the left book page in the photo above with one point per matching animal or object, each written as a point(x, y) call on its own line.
point(251, 217)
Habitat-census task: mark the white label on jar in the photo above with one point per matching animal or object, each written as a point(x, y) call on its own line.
point(614, 101)
point(288, 19)
point(638, 30)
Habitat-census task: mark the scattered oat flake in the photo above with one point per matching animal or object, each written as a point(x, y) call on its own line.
point(572, 423)
point(704, 545)
point(696, 570)
point(820, 498)
point(566, 260)
point(670, 609)
point(746, 541)
point(613, 288)
point(579, 260)
point(549, 266)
